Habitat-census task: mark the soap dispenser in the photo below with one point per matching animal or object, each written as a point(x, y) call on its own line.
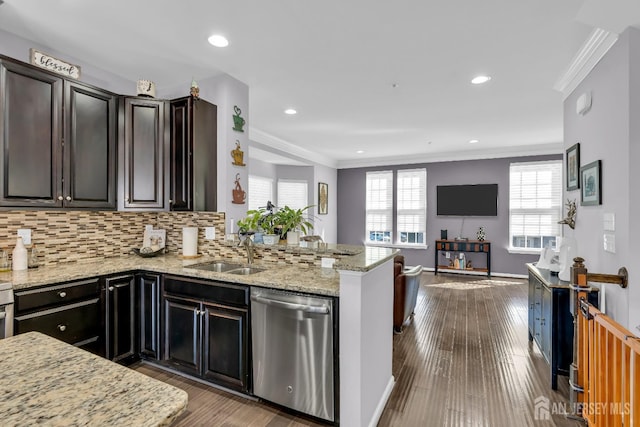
point(20, 258)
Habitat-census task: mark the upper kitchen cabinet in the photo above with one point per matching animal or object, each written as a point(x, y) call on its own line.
point(144, 171)
point(58, 141)
point(193, 155)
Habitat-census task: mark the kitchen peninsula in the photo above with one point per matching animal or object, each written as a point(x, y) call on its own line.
point(360, 280)
point(46, 381)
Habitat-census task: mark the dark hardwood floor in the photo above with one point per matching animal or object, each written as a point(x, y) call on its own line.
point(464, 360)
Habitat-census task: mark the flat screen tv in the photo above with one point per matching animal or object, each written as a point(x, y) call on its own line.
point(468, 200)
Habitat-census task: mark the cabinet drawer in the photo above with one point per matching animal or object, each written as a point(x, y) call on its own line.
point(51, 296)
point(217, 292)
point(72, 323)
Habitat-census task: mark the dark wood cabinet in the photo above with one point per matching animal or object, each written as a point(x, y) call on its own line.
point(551, 321)
point(144, 171)
point(120, 319)
point(206, 330)
point(58, 141)
point(149, 315)
point(69, 312)
point(89, 147)
point(193, 155)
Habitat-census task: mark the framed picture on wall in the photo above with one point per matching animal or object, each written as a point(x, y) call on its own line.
point(323, 198)
point(573, 167)
point(591, 178)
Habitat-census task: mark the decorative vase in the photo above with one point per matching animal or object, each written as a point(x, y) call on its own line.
point(480, 235)
point(146, 88)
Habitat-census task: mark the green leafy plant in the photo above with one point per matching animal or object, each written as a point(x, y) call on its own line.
point(293, 219)
point(251, 222)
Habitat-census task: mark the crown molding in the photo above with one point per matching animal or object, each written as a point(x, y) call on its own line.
point(289, 148)
point(496, 153)
point(594, 48)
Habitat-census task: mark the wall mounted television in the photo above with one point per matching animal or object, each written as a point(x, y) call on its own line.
point(467, 200)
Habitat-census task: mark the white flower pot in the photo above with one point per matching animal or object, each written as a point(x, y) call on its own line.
point(293, 237)
point(270, 239)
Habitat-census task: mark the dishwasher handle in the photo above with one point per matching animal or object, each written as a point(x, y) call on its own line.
point(318, 309)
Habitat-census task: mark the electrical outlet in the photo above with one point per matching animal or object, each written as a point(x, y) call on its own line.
point(25, 233)
point(209, 233)
point(447, 255)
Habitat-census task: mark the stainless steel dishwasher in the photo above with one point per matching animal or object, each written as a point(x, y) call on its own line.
point(292, 337)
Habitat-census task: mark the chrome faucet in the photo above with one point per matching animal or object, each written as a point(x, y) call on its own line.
point(248, 245)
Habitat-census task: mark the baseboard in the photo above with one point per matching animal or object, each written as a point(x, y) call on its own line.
point(383, 401)
point(478, 273)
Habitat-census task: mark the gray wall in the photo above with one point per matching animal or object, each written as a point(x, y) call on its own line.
point(18, 48)
point(351, 210)
point(610, 132)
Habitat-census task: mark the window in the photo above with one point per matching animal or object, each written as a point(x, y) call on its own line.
point(379, 221)
point(293, 194)
point(411, 209)
point(260, 192)
point(535, 204)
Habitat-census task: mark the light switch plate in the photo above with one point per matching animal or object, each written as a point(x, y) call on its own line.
point(25, 233)
point(209, 233)
point(609, 221)
point(610, 242)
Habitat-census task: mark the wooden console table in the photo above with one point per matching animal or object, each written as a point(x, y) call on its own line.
point(463, 246)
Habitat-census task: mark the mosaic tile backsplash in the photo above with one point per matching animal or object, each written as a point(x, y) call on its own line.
point(68, 236)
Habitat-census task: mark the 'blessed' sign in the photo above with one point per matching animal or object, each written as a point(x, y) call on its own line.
point(53, 64)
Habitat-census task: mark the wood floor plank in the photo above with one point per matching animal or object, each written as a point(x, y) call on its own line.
point(464, 360)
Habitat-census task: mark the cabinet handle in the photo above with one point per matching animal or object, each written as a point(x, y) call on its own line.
point(68, 198)
point(62, 294)
point(531, 305)
point(110, 288)
point(60, 198)
point(538, 287)
point(62, 328)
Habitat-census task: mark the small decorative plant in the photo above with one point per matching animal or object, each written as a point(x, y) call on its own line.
point(250, 223)
point(292, 219)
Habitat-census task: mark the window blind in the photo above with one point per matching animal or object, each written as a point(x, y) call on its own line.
point(379, 206)
point(260, 191)
point(535, 204)
point(411, 209)
point(293, 193)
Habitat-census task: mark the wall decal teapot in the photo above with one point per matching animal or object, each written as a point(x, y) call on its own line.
point(238, 122)
point(238, 193)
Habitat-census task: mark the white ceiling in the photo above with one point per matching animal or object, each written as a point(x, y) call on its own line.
point(336, 62)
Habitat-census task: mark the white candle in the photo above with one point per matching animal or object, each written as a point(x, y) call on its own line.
point(190, 241)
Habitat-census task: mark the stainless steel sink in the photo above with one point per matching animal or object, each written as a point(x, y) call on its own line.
point(245, 270)
point(218, 266)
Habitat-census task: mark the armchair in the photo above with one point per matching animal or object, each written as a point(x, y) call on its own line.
point(405, 293)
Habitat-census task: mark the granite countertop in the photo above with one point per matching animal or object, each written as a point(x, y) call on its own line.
point(298, 278)
point(47, 382)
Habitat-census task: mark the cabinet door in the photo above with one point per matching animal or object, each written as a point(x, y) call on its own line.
point(183, 335)
point(145, 168)
point(546, 323)
point(31, 135)
point(121, 319)
point(533, 282)
point(181, 192)
point(225, 346)
point(89, 147)
point(149, 302)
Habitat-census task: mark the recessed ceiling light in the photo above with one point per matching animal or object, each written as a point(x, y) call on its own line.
point(473, 141)
point(360, 151)
point(218, 40)
point(478, 80)
point(290, 111)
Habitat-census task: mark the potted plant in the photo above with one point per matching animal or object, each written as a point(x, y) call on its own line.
point(250, 223)
point(292, 222)
point(269, 224)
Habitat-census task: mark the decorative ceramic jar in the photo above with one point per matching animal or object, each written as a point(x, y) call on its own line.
point(480, 235)
point(146, 88)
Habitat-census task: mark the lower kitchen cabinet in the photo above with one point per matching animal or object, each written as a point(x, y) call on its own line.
point(149, 315)
point(120, 320)
point(205, 335)
point(69, 312)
